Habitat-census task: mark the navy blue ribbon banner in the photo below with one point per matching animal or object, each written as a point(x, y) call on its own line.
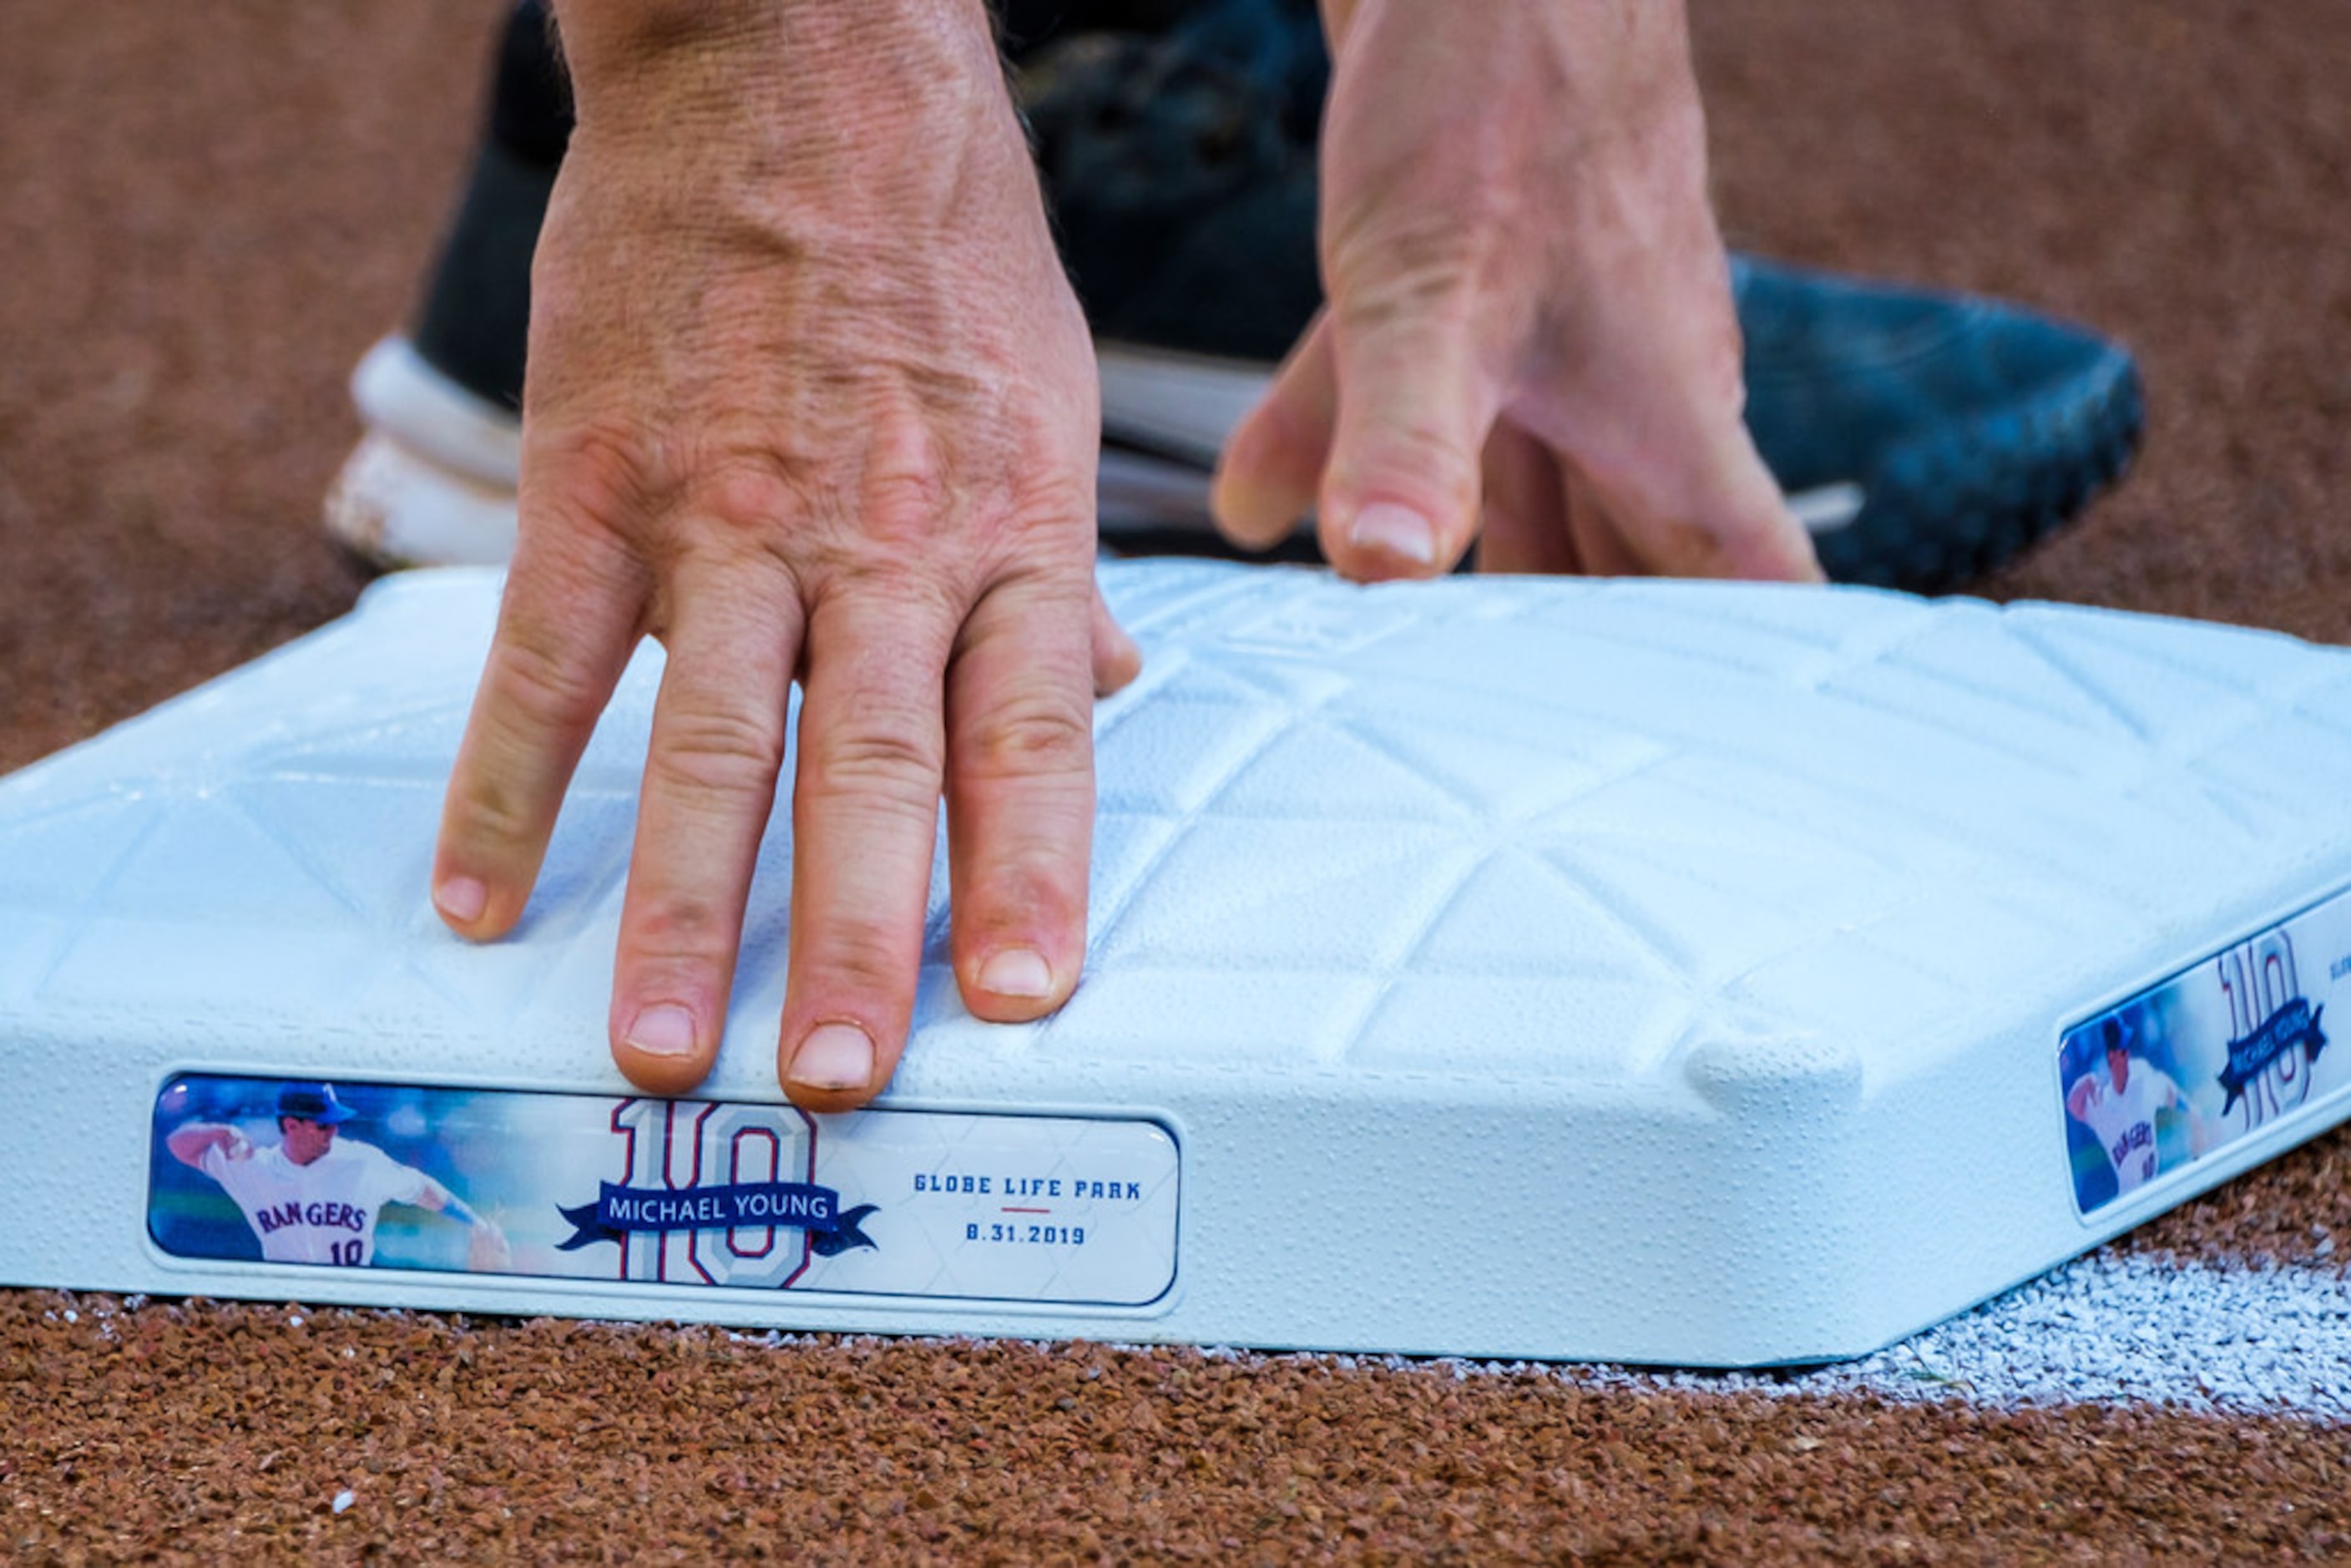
point(2295, 1024)
point(620, 1211)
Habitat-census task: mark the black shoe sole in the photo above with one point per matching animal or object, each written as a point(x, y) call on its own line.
point(1972, 498)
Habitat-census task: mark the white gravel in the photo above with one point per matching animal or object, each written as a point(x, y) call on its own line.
point(2110, 1330)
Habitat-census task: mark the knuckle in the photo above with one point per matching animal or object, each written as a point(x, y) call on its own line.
point(1009, 476)
point(860, 957)
point(726, 486)
point(901, 493)
point(489, 816)
point(1691, 549)
point(1416, 272)
point(1419, 453)
point(1435, 295)
point(542, 686)
point(675, 936)
point(888, 764)
point(717, 751)
point(1049, 520)
point(1037, 888)
point(903, 505)
point(746, 497)
point(1037, 733)
point(597, 470)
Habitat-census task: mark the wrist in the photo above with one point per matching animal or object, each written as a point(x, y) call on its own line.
point(676, 68)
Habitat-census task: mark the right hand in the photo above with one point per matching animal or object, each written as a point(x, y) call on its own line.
point(808, 393)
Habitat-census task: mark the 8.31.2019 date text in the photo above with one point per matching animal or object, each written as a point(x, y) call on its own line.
point(1026, 1235)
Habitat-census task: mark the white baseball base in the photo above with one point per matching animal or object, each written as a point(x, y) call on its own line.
point(1694, 974)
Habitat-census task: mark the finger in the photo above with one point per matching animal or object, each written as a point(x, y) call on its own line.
point(710, 782)
point(1526, 521)
point(1717, 513)
point(1597, 538)
point(1020, 799)
point(865, 805)
point(566, 625)
point(1117, 658)
point(1400, 496)
point(1271, 467)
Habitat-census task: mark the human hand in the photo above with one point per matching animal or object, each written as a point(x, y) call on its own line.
point(1530, 325)
point(807, 392)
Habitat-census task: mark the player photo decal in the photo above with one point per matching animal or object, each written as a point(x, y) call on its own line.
point(2218, 1052)
point(688, 1193)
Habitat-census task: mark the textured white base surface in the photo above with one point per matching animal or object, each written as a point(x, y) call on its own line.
point(1656, 972)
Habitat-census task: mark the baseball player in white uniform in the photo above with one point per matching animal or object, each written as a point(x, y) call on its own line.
point(313, 1197)
point(2121, 1111)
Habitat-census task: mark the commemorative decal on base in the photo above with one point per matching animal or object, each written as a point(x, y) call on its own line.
point(2235, 1046)
point(1066, 1210)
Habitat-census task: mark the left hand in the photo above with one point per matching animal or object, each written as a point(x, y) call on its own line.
point(1530, 327)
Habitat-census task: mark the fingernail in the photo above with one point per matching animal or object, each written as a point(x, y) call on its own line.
point(461, 899)
point(1017, 972)
point(663, 1029)
point(1399, 530)
point(834, 1056)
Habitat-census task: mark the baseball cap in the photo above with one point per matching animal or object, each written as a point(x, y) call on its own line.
point(312, 1102)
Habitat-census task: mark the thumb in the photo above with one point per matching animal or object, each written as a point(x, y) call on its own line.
point(1271, 466)
point(1400, 497)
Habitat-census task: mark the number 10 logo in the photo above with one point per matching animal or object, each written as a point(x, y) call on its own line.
point(682, 1145)
point(2257, 979)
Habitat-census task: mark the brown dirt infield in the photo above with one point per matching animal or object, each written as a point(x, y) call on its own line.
point(211, 210)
